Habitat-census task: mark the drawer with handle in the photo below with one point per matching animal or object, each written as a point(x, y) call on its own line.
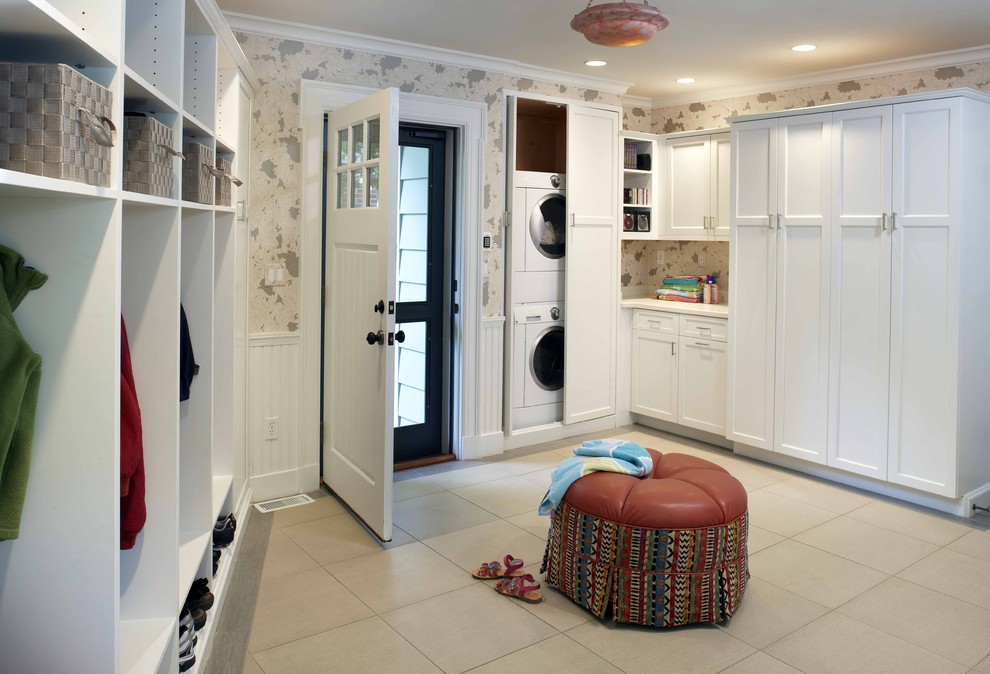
point(654, 321)
point(704, 328)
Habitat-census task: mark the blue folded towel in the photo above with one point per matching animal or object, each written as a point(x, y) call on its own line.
point(616, 456)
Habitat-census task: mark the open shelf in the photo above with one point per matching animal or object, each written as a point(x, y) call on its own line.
point(143, 643)
point(221, 487)
point(193, 128)
point(138, 200)
point(636, 172)
point(142, 96)
point(35, 31)
point(192, 549)
point(17, 184)
point(224, 146)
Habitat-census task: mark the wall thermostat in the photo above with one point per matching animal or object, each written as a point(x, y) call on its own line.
point(486, 241)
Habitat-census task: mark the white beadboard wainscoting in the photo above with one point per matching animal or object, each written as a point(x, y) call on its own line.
point(276, 467)
point(487, 389)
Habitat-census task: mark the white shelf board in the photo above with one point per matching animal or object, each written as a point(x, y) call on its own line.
point(221, 487)
point(630, 236)
point(140, 95)
point(34, 31)
point(643, 206)
point(143, 643)
point(146, 200)
point(193, 206)
point(636, 172)
point(17, 184)
point(194, 128)
point(192, 548)
point(224, 209)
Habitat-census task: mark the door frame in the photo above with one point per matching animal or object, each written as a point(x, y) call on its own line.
point(469, 118)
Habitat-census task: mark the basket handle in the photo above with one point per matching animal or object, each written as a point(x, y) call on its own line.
point(215, 172)
point(231, 177)
point(98, 133)
point(172, 151)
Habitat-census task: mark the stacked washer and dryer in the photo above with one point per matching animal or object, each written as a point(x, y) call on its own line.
point(539, 219)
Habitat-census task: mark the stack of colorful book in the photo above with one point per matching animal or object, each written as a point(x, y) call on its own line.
point(682, 289)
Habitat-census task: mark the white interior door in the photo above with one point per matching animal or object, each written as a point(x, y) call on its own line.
point(803, 247)
point(860, 302)
point(363, 179)
point(590, 277)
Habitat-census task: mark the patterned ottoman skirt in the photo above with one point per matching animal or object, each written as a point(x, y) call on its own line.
point(655, 577)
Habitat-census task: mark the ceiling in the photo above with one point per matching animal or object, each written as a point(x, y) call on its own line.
point(723, 44)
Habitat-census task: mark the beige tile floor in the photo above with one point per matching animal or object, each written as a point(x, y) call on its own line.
point(841, 582)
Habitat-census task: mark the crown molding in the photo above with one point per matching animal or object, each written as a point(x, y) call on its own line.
point(878, 69)
point(637, 102)
point(288, 30)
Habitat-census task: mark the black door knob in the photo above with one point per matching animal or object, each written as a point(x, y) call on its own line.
point(380, 307)
point(375, 338)
point(400, 336)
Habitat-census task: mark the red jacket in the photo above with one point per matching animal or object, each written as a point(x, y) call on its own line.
point(132, 509)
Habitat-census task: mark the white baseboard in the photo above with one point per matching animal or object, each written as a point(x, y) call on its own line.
point(683, 431)
point(480, 446)
point(977, 497)
point(947, 505)
point(275, 485)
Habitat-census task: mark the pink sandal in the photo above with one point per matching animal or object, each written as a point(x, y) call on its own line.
point(521, 587)
point(493, 570)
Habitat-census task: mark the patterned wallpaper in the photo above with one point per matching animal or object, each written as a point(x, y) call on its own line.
point(641, 268)
point(276, 181)
point(275, 207)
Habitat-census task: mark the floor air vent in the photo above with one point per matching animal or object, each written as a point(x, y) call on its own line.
point(282, 503)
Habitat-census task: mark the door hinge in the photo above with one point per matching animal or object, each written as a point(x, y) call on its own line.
point(506, 219)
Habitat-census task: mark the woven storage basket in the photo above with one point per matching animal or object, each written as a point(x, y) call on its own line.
point(198, 174)
point(148, 156)
point(55, 123)
point(223, 182)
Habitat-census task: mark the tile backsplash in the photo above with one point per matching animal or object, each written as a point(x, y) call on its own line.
point(640, 268)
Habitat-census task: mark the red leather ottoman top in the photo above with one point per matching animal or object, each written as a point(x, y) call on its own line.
point(682, 492)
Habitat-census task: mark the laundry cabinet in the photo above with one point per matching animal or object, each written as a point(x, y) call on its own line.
point(696, 186)
point(678, 368)
point(855, 315)
point(563, 203)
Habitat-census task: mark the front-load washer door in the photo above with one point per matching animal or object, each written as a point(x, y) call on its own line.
point(547, 228)
point(545, 381)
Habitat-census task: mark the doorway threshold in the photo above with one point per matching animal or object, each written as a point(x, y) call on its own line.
point(425, 461)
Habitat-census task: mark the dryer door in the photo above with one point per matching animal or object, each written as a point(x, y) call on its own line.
point(547, 233)
point(546, 366)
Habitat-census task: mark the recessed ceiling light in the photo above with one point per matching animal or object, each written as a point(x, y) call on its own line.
point(685, 80)
point(804, 47)
point(596, 64)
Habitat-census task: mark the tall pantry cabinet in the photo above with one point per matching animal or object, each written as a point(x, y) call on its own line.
point(70, 599)
point(903, 218)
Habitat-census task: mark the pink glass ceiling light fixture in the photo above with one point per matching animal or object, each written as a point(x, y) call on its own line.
point(619, 24)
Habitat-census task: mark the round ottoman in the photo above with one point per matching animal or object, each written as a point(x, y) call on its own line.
point(665, 550)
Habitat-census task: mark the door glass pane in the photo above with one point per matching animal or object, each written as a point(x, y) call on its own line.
point(357, 188)
point(342, 150)
point(410, 375)
point(357, 140)
point(342, 189)
point(374, 132)
point(372, 186)
point(414, 207)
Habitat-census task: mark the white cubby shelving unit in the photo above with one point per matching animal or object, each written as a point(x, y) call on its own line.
point(70, 599)
point(644, 179)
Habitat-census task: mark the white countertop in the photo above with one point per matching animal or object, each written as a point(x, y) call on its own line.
point(711, 310)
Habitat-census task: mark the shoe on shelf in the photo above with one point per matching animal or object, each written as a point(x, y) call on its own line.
point(187, 657)
point(216, 560)
point(198, 617)
point(199, 595)
point(224, 536)
point(223, 522)
point(187, 634)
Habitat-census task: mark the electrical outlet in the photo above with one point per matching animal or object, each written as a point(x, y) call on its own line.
point(659, 257)
point(701, 259)
point(271, 428)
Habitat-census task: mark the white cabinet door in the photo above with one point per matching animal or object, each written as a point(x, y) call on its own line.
point(803, 246)
point(924, 332)
point(654, 375)
point(590, 277)
point(752, 269)
point(721, 169)
point(701, 399)
point(688, 188)
point(860, 297)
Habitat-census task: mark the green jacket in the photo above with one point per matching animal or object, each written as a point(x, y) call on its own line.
point(20, 377)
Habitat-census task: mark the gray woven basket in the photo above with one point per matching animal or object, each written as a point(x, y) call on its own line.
point(148, 156)
point(223, 182)
point(198, 174)
point(55, 123)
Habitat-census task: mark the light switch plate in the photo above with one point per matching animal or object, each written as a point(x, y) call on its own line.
point(659, 257)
